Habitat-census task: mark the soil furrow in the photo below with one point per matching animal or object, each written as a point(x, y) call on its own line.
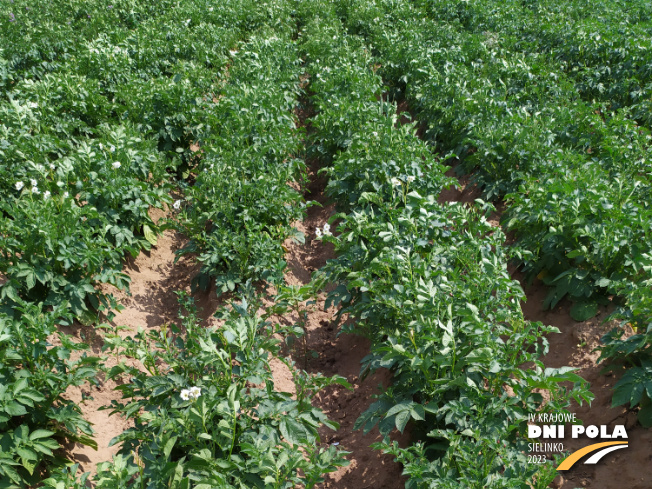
point(151, 303)
point(331, 354)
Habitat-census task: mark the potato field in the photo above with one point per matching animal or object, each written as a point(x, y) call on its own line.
point(361, 244)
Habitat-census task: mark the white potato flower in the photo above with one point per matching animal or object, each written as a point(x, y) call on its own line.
point(191, 394)
point(411, 179)
point(66, 195)
point(33, 182)
point(177, 205)
point(395, 181)
point(326, 232)
point(35, 190)
point(19, 185)
point(116, 165)
point(46, 195)
point(112, 149)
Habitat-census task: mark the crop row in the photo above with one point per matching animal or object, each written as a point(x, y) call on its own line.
point(240, 207)
point(607, 54)
point(98, 117)
point(98, 110)
point(427, 282)
point(573, 171)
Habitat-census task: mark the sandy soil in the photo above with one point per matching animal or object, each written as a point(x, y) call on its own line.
point(150, 304)
point(339, 355)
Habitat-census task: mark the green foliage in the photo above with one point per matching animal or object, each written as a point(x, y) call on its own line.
point(478, 459)
point(70, 224)
point(66, 478)
point(98, 111)
point(238, 432)
point(35, 420)
point(92, 86)
point(547, 107)
point(241, 205)
point(630, 355)
point(570, 166)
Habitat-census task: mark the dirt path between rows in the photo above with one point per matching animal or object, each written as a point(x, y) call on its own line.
point(150, 304)
point(331, 354)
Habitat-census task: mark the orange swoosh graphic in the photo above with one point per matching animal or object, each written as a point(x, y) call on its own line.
point(574, 457)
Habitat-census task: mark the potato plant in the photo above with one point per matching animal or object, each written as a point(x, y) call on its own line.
point(240, 208)
point(206, 411)
point(34, 417)
point(517, 120)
